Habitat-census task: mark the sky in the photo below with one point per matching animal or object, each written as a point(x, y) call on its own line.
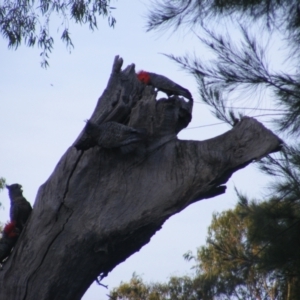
point(43, 111)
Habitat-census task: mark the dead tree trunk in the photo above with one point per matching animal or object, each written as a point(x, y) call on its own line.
point(125, 175)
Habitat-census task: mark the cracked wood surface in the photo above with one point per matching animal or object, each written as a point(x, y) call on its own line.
point(101, 205)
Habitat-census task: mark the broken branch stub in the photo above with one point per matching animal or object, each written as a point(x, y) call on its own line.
point(124, 176)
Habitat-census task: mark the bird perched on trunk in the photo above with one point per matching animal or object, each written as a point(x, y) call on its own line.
point(115, 135)
point(9, 238)
point(163, 84)
point(20, 208)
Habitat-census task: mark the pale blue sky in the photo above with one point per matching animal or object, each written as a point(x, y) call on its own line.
point(43, 111)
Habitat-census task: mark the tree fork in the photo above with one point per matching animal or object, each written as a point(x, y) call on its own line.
point(101, 204)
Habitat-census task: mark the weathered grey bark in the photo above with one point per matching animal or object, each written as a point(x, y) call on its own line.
point(103, 202)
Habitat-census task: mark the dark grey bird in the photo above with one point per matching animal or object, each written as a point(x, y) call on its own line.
point(9, 238)
point(163, 84)
point(114, 135)
point(20, 208)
